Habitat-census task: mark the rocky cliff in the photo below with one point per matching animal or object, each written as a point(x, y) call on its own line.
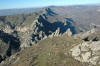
point(48, 33)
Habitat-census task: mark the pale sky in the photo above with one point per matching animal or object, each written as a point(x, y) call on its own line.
point(8, 4)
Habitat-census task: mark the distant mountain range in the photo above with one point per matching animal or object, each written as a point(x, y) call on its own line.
point(79, 13)
point(6, 12)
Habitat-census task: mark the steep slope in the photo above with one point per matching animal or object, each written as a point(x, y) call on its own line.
point(8, 45)
point(18, 31)
point(83, 14)
point(25, 30)
point(48, 52)
point(34, 27)
point(59, 50)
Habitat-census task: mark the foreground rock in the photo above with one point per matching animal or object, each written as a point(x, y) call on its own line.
point(87, 52)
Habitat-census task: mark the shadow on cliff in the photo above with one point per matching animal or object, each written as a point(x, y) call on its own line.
point(14, 43)
point(47, 26)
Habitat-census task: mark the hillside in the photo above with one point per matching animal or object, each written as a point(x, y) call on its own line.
point(51, 37)
point(48, 52)
point(58, 50)
point(37, 26)
point(81, 14)
point(25, 30)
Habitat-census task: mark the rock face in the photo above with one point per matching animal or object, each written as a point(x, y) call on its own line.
point(25, 30)
point(8, 29)
point(41, 28)
point(91, 35)
point(86, 34)
point(8, 45)
point(48, 52)
point(56, 33)
point(68, 32)
point(87, 52)
point(31, 28)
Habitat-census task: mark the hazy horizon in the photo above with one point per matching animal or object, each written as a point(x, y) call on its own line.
point(15, 4)
point(51, 6)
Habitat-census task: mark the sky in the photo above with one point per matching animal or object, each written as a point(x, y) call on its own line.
point(9, 4)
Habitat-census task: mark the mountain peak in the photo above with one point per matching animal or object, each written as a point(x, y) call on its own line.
point(49, 11)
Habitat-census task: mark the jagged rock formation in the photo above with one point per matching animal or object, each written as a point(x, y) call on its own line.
point(34, 27)
point(56, 33)
point(68, 32)
point(19, 31)
point(41, 28)
point(38, 28)
point(29, 33)
point(48, 52)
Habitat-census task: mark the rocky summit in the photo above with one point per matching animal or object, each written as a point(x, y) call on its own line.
point(50, 36)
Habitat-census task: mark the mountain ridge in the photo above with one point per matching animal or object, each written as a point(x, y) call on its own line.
point(46, 37)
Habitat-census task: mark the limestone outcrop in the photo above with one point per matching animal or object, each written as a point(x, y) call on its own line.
point(87, 52)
